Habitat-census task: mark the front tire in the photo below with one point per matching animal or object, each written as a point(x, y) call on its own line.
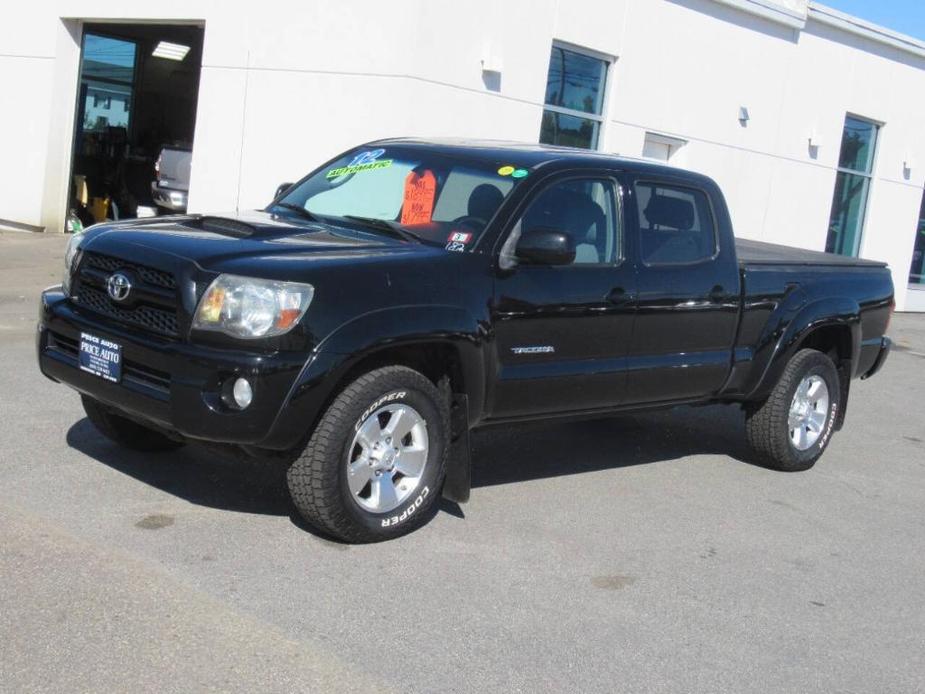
point(374, 466)
point(792, 428)
point(125, 432)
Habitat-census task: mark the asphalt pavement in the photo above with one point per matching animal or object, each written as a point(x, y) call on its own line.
point(632, 554)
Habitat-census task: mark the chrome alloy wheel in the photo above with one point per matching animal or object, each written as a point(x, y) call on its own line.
point(386, 460)
point(808, 412)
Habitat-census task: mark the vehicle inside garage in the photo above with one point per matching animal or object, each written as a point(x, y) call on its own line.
point(136, 113)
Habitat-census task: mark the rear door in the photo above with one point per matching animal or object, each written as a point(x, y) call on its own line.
point(562, 332)
point(688, 285)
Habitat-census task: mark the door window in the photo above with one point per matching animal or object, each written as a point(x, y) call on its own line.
point(676, 224)
point(585, 210)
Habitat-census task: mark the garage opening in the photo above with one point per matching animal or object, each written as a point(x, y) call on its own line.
point(136, 112)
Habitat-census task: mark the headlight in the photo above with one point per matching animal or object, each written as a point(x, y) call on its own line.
point(71, 256)
point(250, 308)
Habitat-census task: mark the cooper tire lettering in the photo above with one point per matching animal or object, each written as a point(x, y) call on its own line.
point(376, 405)
point(829, 427)
point(409, 511)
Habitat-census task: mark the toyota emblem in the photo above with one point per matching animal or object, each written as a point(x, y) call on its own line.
point(118, 286)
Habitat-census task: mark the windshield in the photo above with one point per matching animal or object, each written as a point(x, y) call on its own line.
point(439, 198)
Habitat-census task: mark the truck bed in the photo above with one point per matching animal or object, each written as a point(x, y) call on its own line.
point(760, 253)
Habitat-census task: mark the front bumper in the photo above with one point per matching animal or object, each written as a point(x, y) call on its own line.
point(169, 198)
point(177, 386)
point(886, 344)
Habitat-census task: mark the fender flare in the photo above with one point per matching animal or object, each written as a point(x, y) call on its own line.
point(398, 326)
point(821, 313)
point(410, 325)
point(362, 337)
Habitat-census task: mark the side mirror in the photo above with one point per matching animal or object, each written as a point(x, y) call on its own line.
point(545, 247)
point(282, 188)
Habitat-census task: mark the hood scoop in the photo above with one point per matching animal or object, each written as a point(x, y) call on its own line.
point(226, 226)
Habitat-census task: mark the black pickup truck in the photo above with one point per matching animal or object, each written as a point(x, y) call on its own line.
point(409, 291)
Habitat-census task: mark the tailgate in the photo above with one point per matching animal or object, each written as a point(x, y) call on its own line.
point(174, 168)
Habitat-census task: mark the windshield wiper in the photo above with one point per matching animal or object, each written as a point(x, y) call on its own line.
point(303, 213)
point(386, 226)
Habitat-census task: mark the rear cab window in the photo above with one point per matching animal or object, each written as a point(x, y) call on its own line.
point(676, 224)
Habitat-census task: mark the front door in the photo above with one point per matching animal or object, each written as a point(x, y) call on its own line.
point(562, 332)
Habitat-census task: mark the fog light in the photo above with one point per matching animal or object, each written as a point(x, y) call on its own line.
point(242, 392)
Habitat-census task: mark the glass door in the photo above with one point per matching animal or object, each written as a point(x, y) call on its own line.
point(852, 186)
point(917, 269)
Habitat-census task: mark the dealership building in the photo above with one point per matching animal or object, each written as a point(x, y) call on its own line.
point(811, 120)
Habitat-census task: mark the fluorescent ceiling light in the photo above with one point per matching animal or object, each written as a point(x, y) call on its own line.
point(171, 51)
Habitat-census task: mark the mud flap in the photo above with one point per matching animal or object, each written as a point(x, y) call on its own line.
point(458, 465)
point(844, 382)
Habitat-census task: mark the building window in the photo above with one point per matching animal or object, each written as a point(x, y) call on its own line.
point(917, 269)
point(661, 147)
point(574, 110)
point(852, 186)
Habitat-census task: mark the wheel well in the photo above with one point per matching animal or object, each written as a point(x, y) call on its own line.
point(835, 342)
point(434, 360)
point(832, 340)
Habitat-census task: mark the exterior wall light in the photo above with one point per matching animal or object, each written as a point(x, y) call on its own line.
point(491, 72)
point(815, 142)
point(743, 116)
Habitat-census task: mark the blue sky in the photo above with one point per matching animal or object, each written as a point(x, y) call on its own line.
point(906, 16)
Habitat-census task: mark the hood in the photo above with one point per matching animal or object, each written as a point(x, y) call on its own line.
point(230, 243)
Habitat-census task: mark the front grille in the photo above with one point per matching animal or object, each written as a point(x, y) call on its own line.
point(62, 344)
point(158, 380)
point(152, 304)
point(150, 275)
point(154, 319)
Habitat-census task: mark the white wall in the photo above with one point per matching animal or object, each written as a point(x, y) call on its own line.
point(710, 59)
point(286, 85)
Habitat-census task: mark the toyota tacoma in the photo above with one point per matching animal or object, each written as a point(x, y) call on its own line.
point(410, 291)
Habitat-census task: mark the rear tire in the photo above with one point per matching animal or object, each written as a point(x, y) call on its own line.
point(791, 429)
point(124, 431)
point(357, 484)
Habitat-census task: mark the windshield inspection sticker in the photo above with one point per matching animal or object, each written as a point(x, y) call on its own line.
point(458, 241)
point(519, 173)
point(505, 170)
point(364, 161)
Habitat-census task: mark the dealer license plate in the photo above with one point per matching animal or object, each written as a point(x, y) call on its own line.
point(100, 357)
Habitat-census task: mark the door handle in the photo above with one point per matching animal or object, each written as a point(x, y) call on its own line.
point(618, 296)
